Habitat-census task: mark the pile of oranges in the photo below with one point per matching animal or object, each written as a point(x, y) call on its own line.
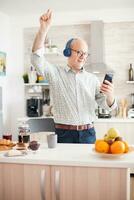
point(111, 143)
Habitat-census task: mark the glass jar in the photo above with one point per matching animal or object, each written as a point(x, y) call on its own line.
point(24, 131)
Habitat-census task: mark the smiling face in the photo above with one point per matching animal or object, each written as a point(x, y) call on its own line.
point(79, 54)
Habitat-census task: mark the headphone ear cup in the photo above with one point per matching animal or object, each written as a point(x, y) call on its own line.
point(67, 52)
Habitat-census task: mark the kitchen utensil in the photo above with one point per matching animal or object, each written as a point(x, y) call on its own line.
point(123, 104)
point(103, 113)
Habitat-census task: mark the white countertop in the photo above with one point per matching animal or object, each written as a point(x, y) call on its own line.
point(70, 155)
point(114, 120)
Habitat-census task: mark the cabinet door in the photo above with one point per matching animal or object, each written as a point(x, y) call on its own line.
point(1, 181)
point(62, 183)
point(36, 182)
point(70, 183)
point(85, 183)
point(11, 178)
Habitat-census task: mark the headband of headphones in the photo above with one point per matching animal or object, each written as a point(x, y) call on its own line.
point(67, 50)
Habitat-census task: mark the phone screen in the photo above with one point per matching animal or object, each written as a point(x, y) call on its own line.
point(108, 77)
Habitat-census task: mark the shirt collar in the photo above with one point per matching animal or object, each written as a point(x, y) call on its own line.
point(67, 68)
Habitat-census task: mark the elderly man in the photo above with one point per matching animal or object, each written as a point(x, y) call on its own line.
point(74, 92)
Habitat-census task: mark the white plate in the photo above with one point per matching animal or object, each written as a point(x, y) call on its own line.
point(112, 156)
point(22, 153)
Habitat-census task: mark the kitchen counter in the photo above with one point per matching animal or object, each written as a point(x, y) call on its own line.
point(114, 119)
point(70, 155)
point(68, 172)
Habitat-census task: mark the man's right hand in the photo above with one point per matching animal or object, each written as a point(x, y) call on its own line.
point(45, 20)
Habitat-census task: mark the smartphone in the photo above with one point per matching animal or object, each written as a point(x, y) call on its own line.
point(108, 77)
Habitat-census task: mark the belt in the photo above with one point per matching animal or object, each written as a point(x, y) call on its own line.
point(74, 127)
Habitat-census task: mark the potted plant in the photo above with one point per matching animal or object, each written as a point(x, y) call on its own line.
point(25, 78)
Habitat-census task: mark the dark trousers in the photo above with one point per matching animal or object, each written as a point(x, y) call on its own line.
point(74, 136)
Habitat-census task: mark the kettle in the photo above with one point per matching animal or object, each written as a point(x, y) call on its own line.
point(103, 113)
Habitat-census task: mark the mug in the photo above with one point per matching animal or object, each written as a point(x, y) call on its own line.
point(52, 140)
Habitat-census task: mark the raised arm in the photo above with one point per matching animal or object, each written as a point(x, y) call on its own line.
point(45, 23)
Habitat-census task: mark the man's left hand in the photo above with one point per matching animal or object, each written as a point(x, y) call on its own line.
point(107, 88)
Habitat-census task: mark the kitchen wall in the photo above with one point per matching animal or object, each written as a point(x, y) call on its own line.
point(119, 52)
point(12, 84)
point(5, 47)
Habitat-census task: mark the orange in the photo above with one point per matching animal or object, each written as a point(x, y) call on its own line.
point(126, 147)
point(101, 146)
point(117, 147)
point(98, 140)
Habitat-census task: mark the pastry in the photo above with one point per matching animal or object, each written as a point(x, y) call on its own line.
point(21, 146)
point(4, 148)
point(5, 142)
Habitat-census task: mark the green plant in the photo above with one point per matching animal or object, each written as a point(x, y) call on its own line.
point(25, 78)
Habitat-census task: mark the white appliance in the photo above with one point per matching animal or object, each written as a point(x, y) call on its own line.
point(131, 113)
point(131, 110)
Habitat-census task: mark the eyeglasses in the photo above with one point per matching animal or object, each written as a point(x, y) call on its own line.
point(81, 53)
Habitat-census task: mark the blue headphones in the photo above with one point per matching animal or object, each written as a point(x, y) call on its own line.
point(67, 50)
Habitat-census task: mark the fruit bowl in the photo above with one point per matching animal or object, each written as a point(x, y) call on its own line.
point(112, 156)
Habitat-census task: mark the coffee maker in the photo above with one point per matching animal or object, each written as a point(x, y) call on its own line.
point(34, 107)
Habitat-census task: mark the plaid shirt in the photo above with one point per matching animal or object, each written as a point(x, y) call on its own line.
point(73, 95)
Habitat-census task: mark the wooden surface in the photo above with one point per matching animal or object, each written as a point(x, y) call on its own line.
point(77, 183)
point(22, 182)
point(132, 188)
point(32, 182)
point(12, 182)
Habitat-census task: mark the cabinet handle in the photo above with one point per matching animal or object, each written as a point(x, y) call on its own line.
point(42, 184)
point(57, 185)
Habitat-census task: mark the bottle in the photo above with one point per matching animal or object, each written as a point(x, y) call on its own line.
point(32, 75)
point(130, 72)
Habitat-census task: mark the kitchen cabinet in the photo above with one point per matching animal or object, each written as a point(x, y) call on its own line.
point(68, 172)
point(37, 182)
point(32, 182)
point(11, 182)
point(1, 178)
point(24, 182)
point(132, 187)
point(77, 183)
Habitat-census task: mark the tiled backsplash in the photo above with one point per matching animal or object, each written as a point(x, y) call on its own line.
point(118, 43)
point(119, 52)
